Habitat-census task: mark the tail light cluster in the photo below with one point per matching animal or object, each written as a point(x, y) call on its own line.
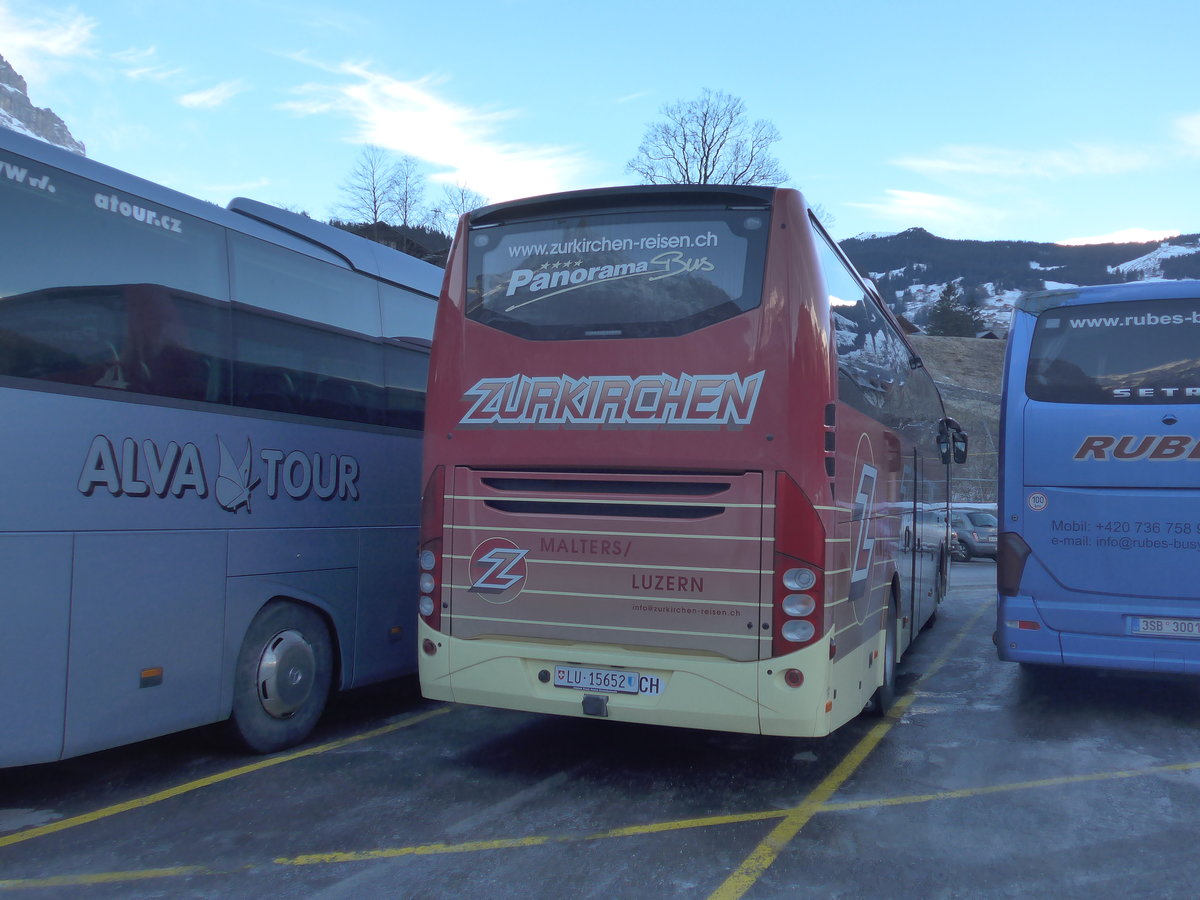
point(429, 557)
point(798, 616)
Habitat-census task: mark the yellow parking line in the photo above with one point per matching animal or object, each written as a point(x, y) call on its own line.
point(764, 855)
point(170, 793)
point(963, 793)
point(539, 840)
point(626, 831)
point(102, 878)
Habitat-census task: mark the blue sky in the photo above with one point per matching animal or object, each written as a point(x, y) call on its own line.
point(1043, 120)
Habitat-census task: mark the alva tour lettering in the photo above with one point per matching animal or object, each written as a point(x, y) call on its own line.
point(142, 469)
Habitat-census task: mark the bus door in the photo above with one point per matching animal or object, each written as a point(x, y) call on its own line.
point(652, 561)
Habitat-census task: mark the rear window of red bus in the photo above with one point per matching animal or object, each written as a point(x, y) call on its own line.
point(625, 274)
point(1138, 352)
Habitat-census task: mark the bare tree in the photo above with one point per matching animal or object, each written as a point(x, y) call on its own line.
point(408, 191)
point(369, 193)
point(708, 141)
point(456, 200)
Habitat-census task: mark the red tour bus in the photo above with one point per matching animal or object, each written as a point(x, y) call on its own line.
point(672, 442)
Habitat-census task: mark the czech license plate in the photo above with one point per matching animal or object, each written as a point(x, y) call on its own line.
point(1158, 626)
point(610, 681)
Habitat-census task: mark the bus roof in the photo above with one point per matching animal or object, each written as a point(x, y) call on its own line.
point(247, 216)
point(1037, 302)
point(626, 197)
point(359, 253)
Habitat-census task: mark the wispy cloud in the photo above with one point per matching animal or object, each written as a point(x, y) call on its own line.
point(141, 64)
point(933, 210)
point(465, 145)
point(33, 44)
point(1078, 159)
point(1187, 129)
point(211, 98)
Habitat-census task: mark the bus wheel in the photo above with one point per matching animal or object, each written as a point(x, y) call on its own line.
point(881, 701)
point(283, 675)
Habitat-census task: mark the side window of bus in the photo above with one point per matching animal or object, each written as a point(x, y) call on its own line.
point(329, 362)
point(406, 317)
point(128, 308)
point(871, 359)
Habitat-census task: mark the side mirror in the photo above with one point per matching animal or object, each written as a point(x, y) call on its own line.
point(952, 441)
point(959, 443)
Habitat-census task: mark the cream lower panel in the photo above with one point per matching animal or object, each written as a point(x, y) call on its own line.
point(846, 683)
point(706, 693)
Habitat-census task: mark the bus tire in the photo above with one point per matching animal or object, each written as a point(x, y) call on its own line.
point(283, 676)
point(885, 695)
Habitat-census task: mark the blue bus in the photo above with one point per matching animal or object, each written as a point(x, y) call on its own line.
point(210, 471)
point(1100, 479)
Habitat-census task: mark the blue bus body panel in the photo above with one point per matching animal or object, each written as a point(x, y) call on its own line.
point(34, 645)
point(208, 409)
point(1113, 536)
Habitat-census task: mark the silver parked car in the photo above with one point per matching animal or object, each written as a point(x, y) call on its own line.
point(976, 533)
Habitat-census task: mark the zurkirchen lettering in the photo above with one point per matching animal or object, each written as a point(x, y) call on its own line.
point(645, 400)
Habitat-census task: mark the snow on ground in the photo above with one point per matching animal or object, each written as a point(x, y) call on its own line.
point(1150, 265)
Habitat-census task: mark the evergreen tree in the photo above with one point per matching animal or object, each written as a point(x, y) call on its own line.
point(952, 316)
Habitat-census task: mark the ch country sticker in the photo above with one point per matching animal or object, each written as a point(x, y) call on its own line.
point(498, 570)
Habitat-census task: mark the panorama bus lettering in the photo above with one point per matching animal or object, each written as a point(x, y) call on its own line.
point(142, 469)
point(684, 401)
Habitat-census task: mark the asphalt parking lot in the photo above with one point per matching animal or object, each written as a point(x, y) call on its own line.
point(983, 782)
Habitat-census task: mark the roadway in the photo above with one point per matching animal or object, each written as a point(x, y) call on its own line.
point(983, 782)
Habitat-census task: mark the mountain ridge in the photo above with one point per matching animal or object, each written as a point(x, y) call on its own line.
point(18, 113)
point(912, 268)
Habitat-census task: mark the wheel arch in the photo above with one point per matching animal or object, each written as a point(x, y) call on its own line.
point(247, 596)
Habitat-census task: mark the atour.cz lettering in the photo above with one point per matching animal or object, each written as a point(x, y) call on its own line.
point(1128, 447)
point(115, 204)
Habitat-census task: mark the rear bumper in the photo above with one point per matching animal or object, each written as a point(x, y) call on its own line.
point(699, 692)
point(1044, 645)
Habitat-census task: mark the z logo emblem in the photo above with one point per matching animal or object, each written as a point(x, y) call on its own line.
point(498, 570)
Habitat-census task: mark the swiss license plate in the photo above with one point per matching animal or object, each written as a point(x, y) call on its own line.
point(609, 681)
point(1158, 626)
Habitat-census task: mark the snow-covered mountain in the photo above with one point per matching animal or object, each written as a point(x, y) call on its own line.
point(912, 268)
point(19, 114)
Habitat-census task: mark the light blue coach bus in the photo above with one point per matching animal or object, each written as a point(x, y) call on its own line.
point(209, 476)
point(1100, 479)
